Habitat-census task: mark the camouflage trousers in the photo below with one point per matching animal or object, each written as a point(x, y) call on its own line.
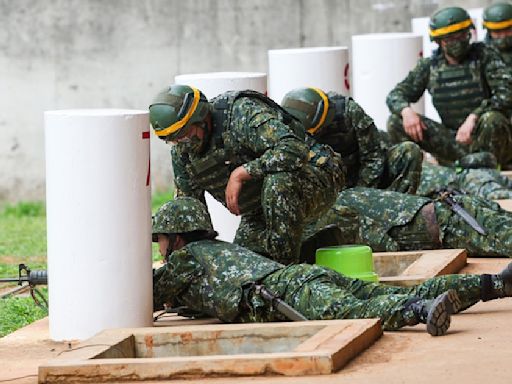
point(323, 294)
point(493, 133)
point(290, 200)
point(403, 168)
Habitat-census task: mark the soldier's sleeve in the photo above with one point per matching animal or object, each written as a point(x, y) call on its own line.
point(499, 78)
point(372, 154)
point(275, 145)
point(184, 184)
point(171, 281)
point(411, 88)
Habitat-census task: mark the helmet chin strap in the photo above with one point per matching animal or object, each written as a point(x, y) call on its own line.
point(170, 247)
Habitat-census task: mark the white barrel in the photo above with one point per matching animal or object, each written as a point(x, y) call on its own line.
point(213, 84)
point(98, 201)
point(326, 68)
point(379, 62)
point(420, 26)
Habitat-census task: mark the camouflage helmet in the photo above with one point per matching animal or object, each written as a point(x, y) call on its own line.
point(449, 20)
point(175, 108)
point(309, 105)
point(181, 215)
point(498, 16)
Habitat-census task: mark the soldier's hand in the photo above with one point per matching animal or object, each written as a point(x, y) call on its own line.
point(235, 182)
point(413, 125)
point(465, 130)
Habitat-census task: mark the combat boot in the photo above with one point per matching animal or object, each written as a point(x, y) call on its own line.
point(436, 313)
point(328, 236)
point(496, 286)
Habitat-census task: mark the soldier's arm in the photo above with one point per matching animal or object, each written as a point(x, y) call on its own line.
point(275, 145)
point(372, 154)
point(499, 78)
point(184, 184)
point(411, 88)
point(174, 279)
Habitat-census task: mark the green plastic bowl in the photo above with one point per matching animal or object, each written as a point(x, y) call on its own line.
point(351, 260)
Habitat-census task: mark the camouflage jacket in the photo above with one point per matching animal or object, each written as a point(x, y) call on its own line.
point(208, 276)
point(256, 136)
point(358, 142)
point(372, 213)
point(496, 78)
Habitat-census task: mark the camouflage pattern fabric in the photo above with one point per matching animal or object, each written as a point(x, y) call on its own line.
point(292, 176)
point(484, 182)
point(215, 277)
point(481, 85)
point(368, 160)
point(384, 228)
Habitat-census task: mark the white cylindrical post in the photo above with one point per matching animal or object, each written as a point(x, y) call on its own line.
point(326, 68)
point(213, 84)
point(420, 26)
point(98, 201)
point(379, 62)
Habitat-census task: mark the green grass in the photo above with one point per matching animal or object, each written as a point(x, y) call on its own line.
point(23, 240)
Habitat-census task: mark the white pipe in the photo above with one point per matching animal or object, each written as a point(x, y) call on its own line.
point(213, 84)
point(379, 62)
point(326, 68)
point(98, 199)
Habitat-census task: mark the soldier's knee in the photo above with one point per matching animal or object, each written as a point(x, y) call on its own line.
point(493, 120)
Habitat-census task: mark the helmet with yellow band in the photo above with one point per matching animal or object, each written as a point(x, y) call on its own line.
point(448, 21)
point(175, 109)
point(309, 105)
point(497, 17)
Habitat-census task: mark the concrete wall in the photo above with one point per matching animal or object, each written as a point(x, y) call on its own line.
point(58, 54)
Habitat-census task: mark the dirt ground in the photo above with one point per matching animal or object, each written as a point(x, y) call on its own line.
point(478, 348)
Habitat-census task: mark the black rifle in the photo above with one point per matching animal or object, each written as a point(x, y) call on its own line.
point(32, 278)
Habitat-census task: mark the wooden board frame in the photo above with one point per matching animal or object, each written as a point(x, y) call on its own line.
point(329, 346)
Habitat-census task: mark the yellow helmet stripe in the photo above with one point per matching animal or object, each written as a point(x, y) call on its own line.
point(498, 24)
point(324, 112)
point(451, 28)
point(181, 123)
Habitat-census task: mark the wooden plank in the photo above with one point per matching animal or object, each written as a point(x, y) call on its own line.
point(506, 204)
point(507, 173)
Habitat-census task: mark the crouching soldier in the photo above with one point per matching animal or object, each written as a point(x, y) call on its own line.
point(232, 283)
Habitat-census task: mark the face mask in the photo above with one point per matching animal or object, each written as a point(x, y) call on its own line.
point(457, 48)
point(503, 43)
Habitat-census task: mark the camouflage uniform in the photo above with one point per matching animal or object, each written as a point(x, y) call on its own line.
point(294, 179)
point(369, 162)
point(419, 223)
point(483, 182)
point(481, 84)
point(215, 278)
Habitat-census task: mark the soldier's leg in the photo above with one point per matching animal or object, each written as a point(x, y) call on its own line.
point(485, 183)
point(456, 233)
point(437, 139)
point(404, 167)
point(312, 291)
point(493, 133)
point(251, 233)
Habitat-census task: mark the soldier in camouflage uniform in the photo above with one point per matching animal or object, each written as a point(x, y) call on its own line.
point(486, 183)
point(254, 158)
point(340, 122)
point(471, 89)
point(218, 279)
point(371, 217)
point(498, 22)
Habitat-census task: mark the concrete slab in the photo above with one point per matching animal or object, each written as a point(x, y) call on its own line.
point(477, 349)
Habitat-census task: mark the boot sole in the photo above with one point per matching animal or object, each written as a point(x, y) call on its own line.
point(438, 319)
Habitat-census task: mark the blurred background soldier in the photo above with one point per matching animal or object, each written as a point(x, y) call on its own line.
point(498, 22)
point(340, 122)
point(471, 90)
point(253, 157)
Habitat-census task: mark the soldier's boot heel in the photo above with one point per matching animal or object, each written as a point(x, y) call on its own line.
point(506, 277)
point(439, 312)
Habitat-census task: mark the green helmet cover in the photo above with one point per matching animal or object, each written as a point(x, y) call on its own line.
point(181, 215)
point(498, 16)
point(175, 109)
point(449, 20)
point(309, 105)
